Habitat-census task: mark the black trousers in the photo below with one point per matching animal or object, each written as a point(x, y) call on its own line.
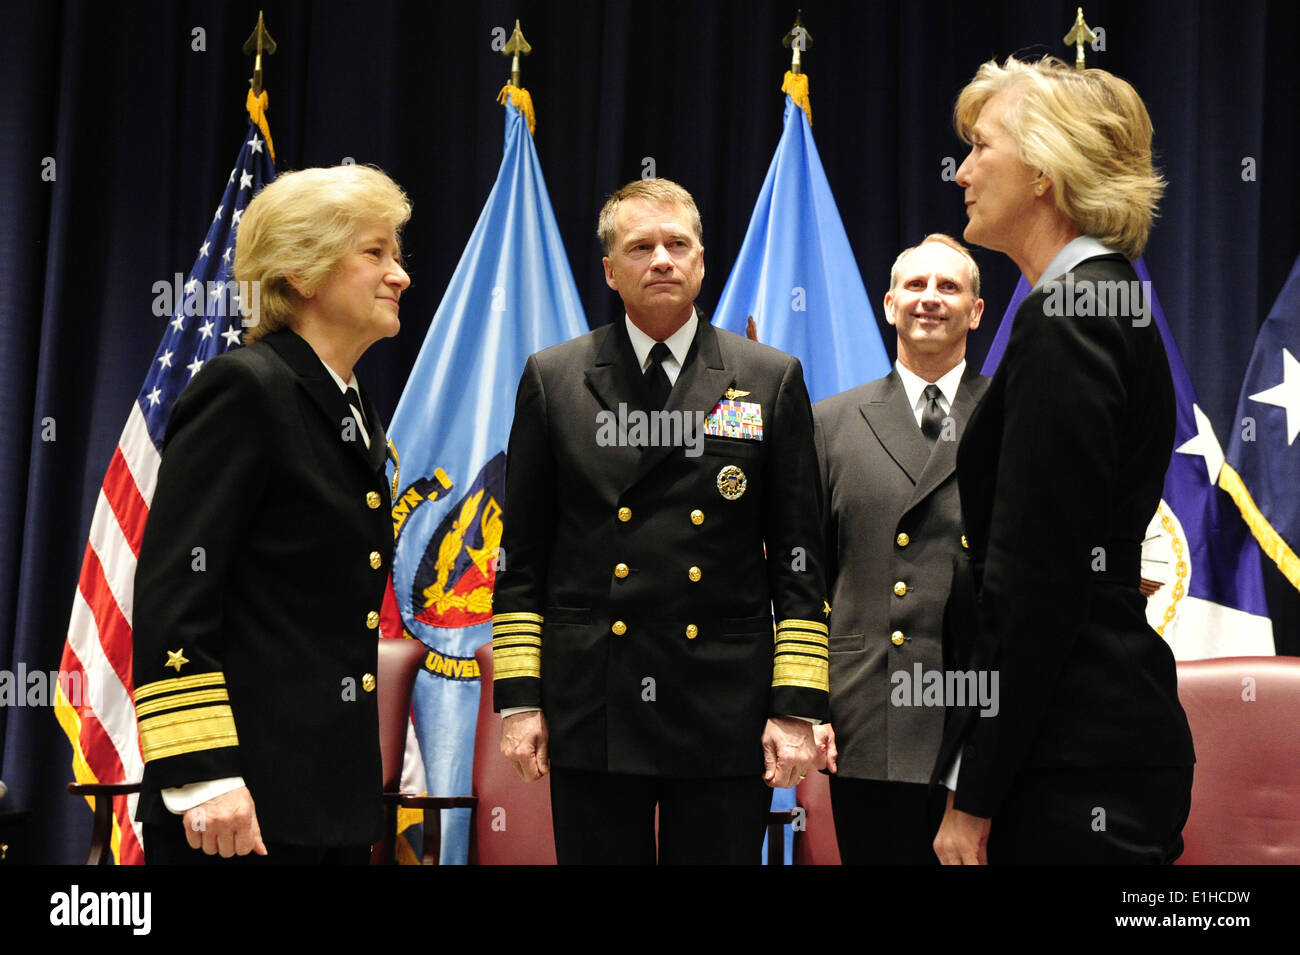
point(886, 823)
point(1093, 817)
point(609, 819)
point(166, 845)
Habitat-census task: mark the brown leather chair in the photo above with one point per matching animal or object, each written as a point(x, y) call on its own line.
point(1244, 713)
point(513, 823)
point(816, 844)
point(399, 664)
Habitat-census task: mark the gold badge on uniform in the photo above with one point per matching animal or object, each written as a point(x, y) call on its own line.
point(732, 482)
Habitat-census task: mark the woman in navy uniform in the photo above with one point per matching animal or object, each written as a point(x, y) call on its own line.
point(254, 667)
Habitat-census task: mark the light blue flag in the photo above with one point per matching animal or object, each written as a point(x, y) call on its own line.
point(511, 294)
point(1210, 600)
point(796, 276)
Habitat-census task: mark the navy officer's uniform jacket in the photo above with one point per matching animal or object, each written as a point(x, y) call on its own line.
point(271, 627)
point(893, 532)
point(640, 587)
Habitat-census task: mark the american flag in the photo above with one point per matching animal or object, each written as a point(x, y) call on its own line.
point(94, 699)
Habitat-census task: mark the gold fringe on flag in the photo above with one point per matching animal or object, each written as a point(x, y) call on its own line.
point(523, 102)
point(796, 85)
point(1270, 540)
point(256, 104)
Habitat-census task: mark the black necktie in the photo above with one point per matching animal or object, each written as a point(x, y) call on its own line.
point(354, 399)
point(657, 385)
point(931, 415)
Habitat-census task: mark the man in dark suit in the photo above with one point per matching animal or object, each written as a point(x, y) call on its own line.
point(661, 502)
point(887, 451)
point(264, 560)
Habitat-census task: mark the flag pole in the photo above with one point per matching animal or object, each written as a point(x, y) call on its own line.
point(259, 43)
point(798, 41)
point(516, 47)
point(1079, 34)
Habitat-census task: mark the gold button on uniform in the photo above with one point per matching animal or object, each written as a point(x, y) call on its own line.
point(692, 631)
point(695, 574)
point(900, 589)
point(964, 542)
point(620, 571)
point(372, 499)
point(902, 540)
point(625, 514)
point(896, 638)
point(697, 517)
point(372, 619)
point(375, 559)
point(368, 683)
point(619, 628)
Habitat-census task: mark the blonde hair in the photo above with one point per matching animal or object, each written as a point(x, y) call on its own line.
point(301, 225)
point(1088, 131)
point(940, 239)
point(647, 190)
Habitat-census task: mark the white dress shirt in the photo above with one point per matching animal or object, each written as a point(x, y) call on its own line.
point(914, 388)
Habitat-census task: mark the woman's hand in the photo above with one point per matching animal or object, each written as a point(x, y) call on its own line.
point(962, 839)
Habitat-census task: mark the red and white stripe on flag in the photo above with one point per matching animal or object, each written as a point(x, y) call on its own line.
point(94, 699)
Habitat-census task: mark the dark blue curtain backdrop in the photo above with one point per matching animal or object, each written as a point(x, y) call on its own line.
point(143, 130)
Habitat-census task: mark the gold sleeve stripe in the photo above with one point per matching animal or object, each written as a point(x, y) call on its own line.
point(803, 636)
point(510, 662)
point(506, 628)
point(517, 640)
point(177, 700)
point(520, 617)
point(796, 624)
point(180, 683)
point(796, 670)
point(810, 649)
point(187, 731)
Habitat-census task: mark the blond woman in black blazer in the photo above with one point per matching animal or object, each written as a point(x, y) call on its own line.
point(1088, 758)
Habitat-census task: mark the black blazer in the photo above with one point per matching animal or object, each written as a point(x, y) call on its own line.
point(263, 470)
point(880, 480)
point(628, 564)
point(1060, 470)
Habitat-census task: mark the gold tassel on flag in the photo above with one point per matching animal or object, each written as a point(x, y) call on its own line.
point(523, 102)
point(796, 85)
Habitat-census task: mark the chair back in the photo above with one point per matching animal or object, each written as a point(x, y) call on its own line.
point(816, 844)
point(399, 662)
point(1244, 713)
point(512, 825)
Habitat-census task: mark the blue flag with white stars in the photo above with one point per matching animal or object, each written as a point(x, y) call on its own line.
point(1264, 455)
point(1208, 598)
point(206, 320)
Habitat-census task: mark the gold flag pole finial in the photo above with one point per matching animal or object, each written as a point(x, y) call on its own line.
point(258, 42)
point(1079, 34)
point(797, 41)
point(515, 47)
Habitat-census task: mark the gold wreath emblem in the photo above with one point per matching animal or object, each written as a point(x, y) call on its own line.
point(732, 482)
